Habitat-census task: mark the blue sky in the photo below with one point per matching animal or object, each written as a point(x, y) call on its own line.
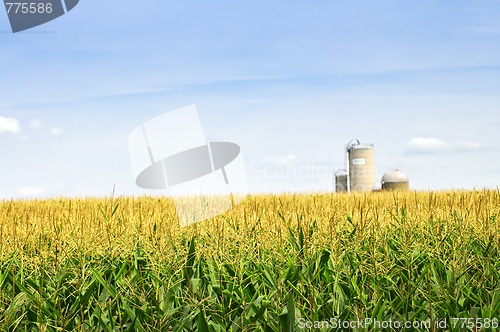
point(290, 81)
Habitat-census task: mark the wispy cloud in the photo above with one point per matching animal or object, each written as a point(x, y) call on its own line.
point(30, 191)
point(468, 146)
point(35, 124)
point(430, 145)
point(421, 145)
point(9, 125)
point(56, 131)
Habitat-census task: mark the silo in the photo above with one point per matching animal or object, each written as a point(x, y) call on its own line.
point(341, 181)
point(395, 180)
point(361, 166)
point(377, 186)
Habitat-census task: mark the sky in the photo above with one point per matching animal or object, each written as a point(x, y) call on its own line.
point(290, 82)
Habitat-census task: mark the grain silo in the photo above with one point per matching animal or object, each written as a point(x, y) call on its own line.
point(361, 166)
point(341, 181)
point(395, 180)
point(377, 186)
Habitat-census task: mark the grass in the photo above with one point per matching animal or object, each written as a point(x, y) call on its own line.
point(124, 264)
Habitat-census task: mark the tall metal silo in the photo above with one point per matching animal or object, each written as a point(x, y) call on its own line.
point(395, 180)
point(341, 181)
point(361, 166)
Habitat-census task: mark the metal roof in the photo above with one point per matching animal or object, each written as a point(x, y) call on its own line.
point(394, 175)
point(341, 172)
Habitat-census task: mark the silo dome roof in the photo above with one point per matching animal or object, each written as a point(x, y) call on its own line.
point(341, 172)
point(361, 147)
point(394, 175)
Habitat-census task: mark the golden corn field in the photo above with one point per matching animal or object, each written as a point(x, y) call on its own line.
point(272, 263)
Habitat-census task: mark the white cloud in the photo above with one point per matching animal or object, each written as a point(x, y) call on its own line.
point(56, 131)
point(279, 160)
point(9, 125)
point(420, 145)
point(468, 145)
point(30, 191)
point(36, 124)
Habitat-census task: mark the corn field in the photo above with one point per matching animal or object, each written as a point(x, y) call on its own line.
point(274, 261)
